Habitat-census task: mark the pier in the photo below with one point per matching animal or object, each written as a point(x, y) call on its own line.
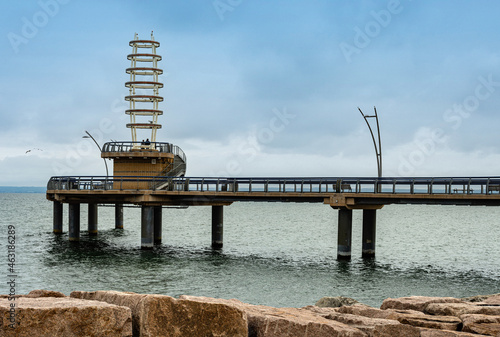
point(343, 194)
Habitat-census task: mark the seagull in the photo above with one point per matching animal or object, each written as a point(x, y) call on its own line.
point(33, 149)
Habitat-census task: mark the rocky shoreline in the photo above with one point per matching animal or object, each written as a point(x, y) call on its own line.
point(111, 313)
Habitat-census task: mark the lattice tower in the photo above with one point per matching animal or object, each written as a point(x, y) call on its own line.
point(143, 89)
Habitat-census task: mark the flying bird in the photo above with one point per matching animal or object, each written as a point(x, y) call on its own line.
point(32, 150)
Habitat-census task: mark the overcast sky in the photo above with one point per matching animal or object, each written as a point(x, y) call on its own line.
point(256, 88)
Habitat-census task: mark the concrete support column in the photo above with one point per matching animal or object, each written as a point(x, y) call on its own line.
point(147, 227)
point(74, 222)
point(369, 229)
point(58, 218)
point(157, 225)
point(345, 234)
point(217, 226)
point(92, 215)
point(119, 216)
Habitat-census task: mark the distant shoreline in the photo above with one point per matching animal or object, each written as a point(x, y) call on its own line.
point(22, 189)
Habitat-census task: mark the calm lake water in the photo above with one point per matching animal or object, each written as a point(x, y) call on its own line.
point(276, 254)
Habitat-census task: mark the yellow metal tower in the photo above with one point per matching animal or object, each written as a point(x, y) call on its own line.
point(137, 159)
point(143, 88)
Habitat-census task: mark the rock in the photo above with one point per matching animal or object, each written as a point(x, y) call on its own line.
point(320, 311)
point(364, 310)
point(477, 298)
point(126, 299)
point(44, 293)
point(418, 303)
point(335, 302)
point(481, 324)
point(264, 321)
point(376, 326)
point(429, 321)
point(64, 317)
point(446, 333)
point(409, 317)
point(111, 313)
point(160, 315)
point(492, 299)
point(458, 309)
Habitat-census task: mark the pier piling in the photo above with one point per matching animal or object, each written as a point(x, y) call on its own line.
point(147, 227)
point(118, 216)
point(369, 230)
point(58, 218)
point(92, 215)
point(217, 226)
point(344, 234)
point(74, 222)
point(157, 225)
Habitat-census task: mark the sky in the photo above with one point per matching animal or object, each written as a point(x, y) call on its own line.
point(256, 88)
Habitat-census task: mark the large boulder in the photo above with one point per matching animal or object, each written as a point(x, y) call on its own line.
point(418, 303)
point(364, 310)
point(429, 321)
point(44, 293)
point(481, 324)
point(491, 299)
point(64, 317)
point(459, 309)
point(160, 315)
point(126, 299)
point(446, 333)
point(376, 326)
point(409, 317)
point(264, 321)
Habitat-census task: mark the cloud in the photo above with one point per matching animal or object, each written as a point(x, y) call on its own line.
point(225, 78)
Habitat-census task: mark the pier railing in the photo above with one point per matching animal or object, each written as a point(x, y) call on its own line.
point(392, 185)
point(156, 146)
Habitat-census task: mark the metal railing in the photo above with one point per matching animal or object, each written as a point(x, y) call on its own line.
point(396, 185)
point(155, 146)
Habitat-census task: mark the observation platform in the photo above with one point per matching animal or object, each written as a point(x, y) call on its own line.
point(140, 149)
